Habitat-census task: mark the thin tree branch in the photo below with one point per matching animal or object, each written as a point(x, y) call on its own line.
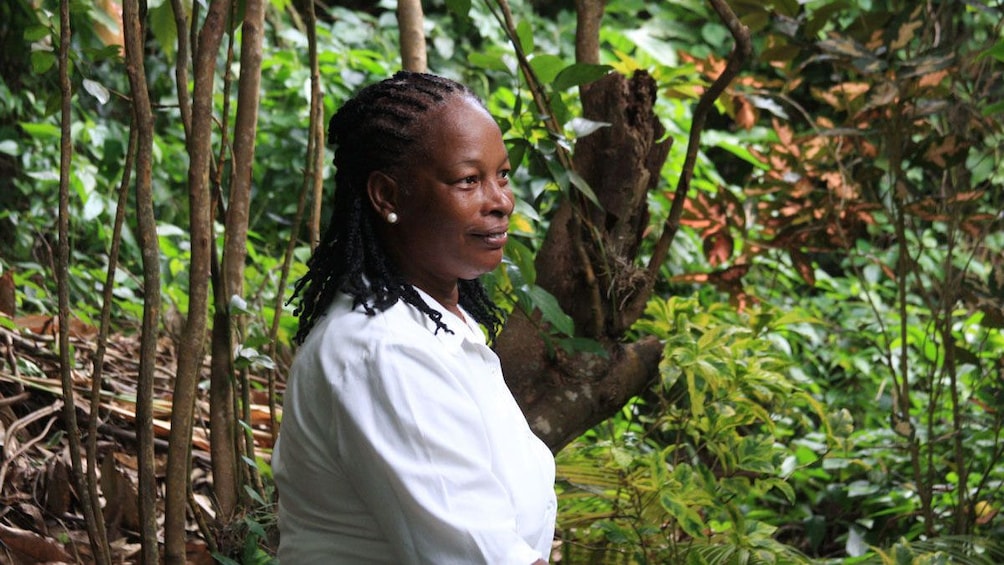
point(741, 51)
point(313, 181)
point(191, 349)
point(150, 249)
point(235, 238)
point(87, 489)
point(181, 66)
point(533, 83)
point(107, 298)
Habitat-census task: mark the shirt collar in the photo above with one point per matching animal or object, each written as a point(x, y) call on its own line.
point(463, 328)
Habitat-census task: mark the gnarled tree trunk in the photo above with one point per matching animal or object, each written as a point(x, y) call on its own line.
point(589, 259)
point(588, 262)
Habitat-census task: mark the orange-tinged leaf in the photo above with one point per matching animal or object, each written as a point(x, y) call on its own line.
point(937, 152)
point(804, 266)
point(718, 247)
point(784, 132)
point(931, 80)
point(745, 113)
point(905, 34)
point(967, 196)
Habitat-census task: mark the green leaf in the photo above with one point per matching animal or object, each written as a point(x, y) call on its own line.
point(41, 130)
point(551, 310)
point(993, 109)
point(524, 33)
point(546, 67)
point(164, 28)
point(34, 33)
point(42, 61)
point(583, 186)
point(253, 494)
point(997, 51)
point(521, 258)
point(491, 62)
point(517, 151)
point(255, 528)
point(780, 484)
point(579, 74)
point(10, 147)
point(460, 8)
point(688, 518)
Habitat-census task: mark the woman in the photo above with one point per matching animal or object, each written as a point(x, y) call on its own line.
point(400, 442)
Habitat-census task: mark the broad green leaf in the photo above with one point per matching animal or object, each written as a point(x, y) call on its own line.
point(993, 109)
point(583, 187)
point(41, 130)
point(524, 32)
point(164, 28)
point(997, 51)
point(461, 8)
point(546, 67)
point(578, 74)
point(688, 518)
point(659, 49)
point(551, 310)
point(521, 257)
point(493, 62)
point(42, 61)
point(34, 33)
point(517, 152)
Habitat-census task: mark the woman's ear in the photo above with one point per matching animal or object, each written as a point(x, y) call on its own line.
point(383, 192)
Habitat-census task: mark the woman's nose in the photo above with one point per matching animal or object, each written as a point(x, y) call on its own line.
point(501, 199)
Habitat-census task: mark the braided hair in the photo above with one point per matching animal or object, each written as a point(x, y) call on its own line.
point(374, 131)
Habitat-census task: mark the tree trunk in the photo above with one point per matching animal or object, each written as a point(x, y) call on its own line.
point(410, 21)
point(150, 247)
point(85, 483)
point(227, 327)
point(192, 347)
point(590, 257)
point(588, 262)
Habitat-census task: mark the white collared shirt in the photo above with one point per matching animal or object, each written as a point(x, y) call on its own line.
point(403, 445)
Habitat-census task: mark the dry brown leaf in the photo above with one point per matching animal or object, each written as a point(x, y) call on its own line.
point(34, 546)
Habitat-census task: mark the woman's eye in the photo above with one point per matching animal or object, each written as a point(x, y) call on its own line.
point(469, 180)
point(504, 174)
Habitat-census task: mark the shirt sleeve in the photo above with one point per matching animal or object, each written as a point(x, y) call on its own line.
point(416, 449)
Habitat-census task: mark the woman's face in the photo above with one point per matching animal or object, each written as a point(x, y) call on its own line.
point(452, 199)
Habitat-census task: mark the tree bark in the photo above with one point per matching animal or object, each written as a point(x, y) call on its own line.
point(226, 471)
point(590, 257)
point(192, 347)
point(150, 247)
point(564, 395)
point(410, 20)
point(588, 16)
point(86, 484)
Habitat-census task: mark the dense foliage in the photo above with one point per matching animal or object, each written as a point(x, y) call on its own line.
point(832, 386)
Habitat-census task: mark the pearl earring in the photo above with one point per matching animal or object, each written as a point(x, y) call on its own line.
point(391, 218)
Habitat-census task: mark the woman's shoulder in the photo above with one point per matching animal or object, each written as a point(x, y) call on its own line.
point(349, 323)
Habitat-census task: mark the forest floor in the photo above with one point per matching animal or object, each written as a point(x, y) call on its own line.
point(41, 518)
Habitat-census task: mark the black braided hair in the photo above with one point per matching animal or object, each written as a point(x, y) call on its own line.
point(374, 131)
